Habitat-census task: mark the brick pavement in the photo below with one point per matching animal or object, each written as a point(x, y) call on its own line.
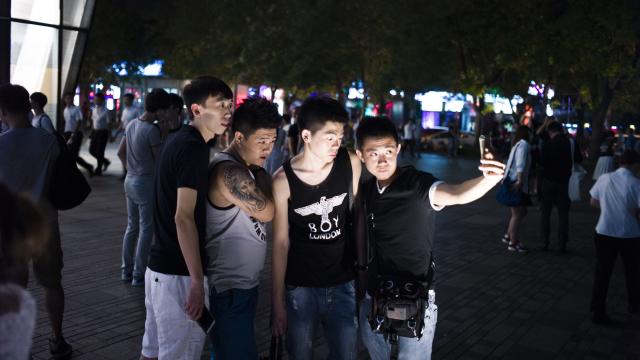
point(492, 303)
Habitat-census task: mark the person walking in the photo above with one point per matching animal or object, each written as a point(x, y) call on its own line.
point(73, 131)
point(617, 195)
point(40, 119)
point(517, 172)
point(100, 135)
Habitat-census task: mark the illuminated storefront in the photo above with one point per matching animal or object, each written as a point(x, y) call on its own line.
point(42, 43)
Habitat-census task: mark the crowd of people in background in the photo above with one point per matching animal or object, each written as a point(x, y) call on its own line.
point(196, 235)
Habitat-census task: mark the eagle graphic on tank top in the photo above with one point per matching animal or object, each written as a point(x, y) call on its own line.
point(324, 207)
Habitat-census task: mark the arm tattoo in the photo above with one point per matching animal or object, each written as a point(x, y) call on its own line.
point(242, 186)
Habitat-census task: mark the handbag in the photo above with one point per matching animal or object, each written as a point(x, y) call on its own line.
point(68, 188)
point(507, 196)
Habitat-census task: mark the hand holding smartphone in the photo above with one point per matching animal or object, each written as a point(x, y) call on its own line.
point(482, 140)
point(206, 320)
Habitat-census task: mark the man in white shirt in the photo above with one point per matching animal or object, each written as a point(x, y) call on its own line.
point(100, 136)
point(40, 119)
point(617, 195)
point(129, 111)
point(72, 131)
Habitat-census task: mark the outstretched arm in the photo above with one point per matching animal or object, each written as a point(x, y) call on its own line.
point(239, 188)
point(470, 190)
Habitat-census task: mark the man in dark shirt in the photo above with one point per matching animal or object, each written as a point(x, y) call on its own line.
point(556, 161)
point(174, 281)
point(401, 203)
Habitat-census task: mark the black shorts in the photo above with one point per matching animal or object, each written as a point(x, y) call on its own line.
point(47, 266)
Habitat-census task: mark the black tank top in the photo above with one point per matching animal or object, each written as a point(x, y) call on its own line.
point(320, 250)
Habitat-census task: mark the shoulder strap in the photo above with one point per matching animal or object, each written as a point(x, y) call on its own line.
point(288, 171)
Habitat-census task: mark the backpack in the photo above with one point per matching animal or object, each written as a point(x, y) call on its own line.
point(68, 187)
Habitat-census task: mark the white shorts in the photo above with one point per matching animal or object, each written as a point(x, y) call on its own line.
point(168, 331)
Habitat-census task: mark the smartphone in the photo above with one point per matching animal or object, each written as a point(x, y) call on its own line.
point(481, 141)
point(206, 320)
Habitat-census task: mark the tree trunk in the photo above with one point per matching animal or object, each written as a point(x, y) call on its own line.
point(599, 115)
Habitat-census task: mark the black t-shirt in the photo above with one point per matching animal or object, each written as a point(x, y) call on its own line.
point(555, 158)
point(404, 225)
point(183, 162)
point(320, 249)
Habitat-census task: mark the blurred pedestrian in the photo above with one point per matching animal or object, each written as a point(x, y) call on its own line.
point(556, 161)
point(279, 154)
point(408, 137)
point(100, 136)
point(176, 118)
point(73, 131)
point(517, 172)
point(40, 119)
point(128, 112)
point(454, 140)
point(23, 232)
point(630, 141)
point(606, 161)
point(139, 151)
point(175, 285)
point(617, 195)
point(31, 173)
point(293, 134)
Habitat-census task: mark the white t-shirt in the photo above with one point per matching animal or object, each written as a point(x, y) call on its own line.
point(30, 171)
point(129, 113)
point(42, 121)
point(72, 116)
point(100, 117)
point(408, 131)
point(16, 328)
point(619, 196)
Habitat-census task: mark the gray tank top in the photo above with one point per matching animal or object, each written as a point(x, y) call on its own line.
point(235, 244)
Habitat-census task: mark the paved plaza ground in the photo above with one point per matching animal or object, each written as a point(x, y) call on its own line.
point(492, 303)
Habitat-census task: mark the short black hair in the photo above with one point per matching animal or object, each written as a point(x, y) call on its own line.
point(316, 111)
point(555, 127)
point(253, 114)
point(14, 99)
point(176, 101)
point(128, 95)
point(629, 157)
point(203, 87)
point(157, 99)
point(376, 127)
point(39, 98)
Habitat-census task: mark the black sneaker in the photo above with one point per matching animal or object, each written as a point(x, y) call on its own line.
point(59, 348)
point(105, 165)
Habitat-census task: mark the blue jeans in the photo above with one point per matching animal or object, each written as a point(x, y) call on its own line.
point(140, 202)
point(334, 308)
point(408, 348)
point(233, 335)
